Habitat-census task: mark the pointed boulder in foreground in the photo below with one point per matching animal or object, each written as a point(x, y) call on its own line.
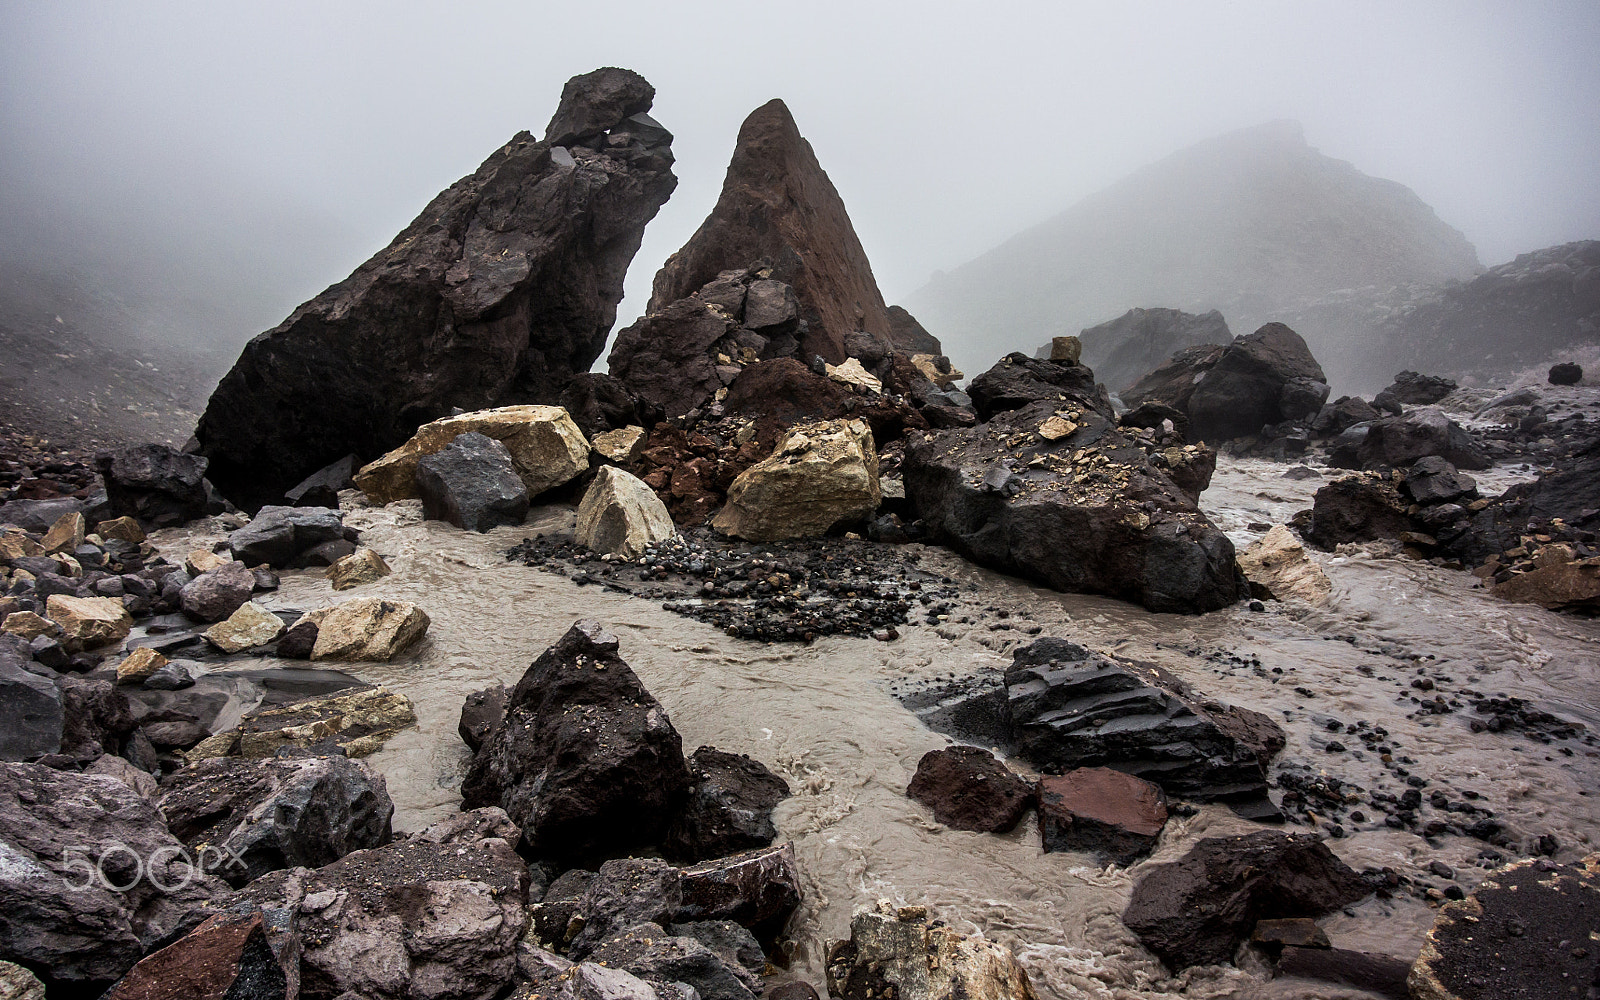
point(505, 286)
point(778, 204)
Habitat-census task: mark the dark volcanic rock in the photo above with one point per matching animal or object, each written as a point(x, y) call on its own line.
point(757, 889)
point(1357, 509)
point(480, 713)
point(777, 204)
point(159, 485)
point(1138, 341)
point(1087, 512)
point(1433, 480)
point(39, 515)
point(1153, 415)
point(667, 356)
point(598, 403)
point(1380, 974)
point(1264, 378)
point(321, 488)
point(659, 958)
point(279, 536)
point(96, 717)
point(277, 813)
point(625, 892)
point(472, 483)
point(728, 809)
point(1113, 815)
point(214, 595)
point(501, 290)
point(908, 336)
point(54, 912)
point(1526, 931)
point(1017, 380)
point(1417, 434)
point(1567, 373)
point(1414, 389)
point(30, 711)
point(783, 392)
point(1196, 911)
point(1568, 494)
point(1343, 413)
point(968, 789)
point(1173, 381)
point(585, 761)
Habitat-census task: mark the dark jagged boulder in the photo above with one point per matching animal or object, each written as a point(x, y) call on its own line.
point(1054, 492)
point(214, 595)
point(968, 789)
point(480, 713)
point(1196, 911)
point(472, 483)
point(229, 957)
point(30, 710)
point(1357, 509)
point(1267, 377)
point(784, 392)
point(1418, 433)
point(55, 914)
point(1115, 816)
point(501, 290)
point(648, 951)
point(1566, 373)
point(757, 889)
point(1017, 380)
point(728, 808)
point(321, 488)
point(777, 204)
point(668, 356)
point(268, 814)
point(278, 536)
point(1138, 341)
point(96, 717)
point(598, 403)
point(625, 892)
point(158, 485)
point(1566, 494)
point(1153, 416)
point(1414, 389)
point(585, 760)
point(908, 336)
point(1433, 480)
point(1342, 414)
point(1172, 382)
point(39, 515)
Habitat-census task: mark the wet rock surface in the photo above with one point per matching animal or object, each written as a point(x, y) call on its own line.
point(897, 949)
point(1114, 816)
point(968, 789)
point(728, 807)
point(508, 283)
point(472, 483)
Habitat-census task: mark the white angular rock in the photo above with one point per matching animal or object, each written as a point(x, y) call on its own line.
point(1278, 564)
point(851, 373)
point(621, 445)
point(819, 475)
point(367, 628)
point(621, 516)
point(547, 448)
point(251, 625)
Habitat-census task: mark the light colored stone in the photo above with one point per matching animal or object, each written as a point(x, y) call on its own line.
point(29, 625)
point(1278, 564)
point(15, 544)
point(360, 566)
point(546, 447)
point(851, 373)
point(621, 445)
point(1068, 349)
point(204, 561)
point(1056, 427)
point(819, 475)
point(368, 628)
point(88, 622)
point(139, 664)
point(251, 625)
point(17, 983)
point(66, 534)
point(124, 528)
point(925, 364)
point(898, 950)
point(358, 721)
point(621, 516)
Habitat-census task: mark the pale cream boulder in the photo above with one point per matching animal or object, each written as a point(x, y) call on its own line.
point(621, 516)
point(124, 528)
point(819, 475)
point(546, 447)
point(29, 625)
point(139, 665)
point(66, 534)
point(15, 544)
point(204, 561)
point(251, 625)
point(851, 373)
point(361, 566)
point(621, 445)
point(88, 622)
point(367, 628)
point(1278, 566)
point(928, 365)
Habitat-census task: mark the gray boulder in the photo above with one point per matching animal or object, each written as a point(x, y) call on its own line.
point(214, 595)
point(659, 958)
point(321, 488)
point(473, 484)
point(157, 484)
point(1432, 480)
point(277, 536)
point(728, 809)
point(623, 893)
point(30, 710)
point(1419, 433)
point(1414, 389)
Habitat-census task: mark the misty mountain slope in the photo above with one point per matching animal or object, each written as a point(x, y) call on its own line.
point(1252, 223)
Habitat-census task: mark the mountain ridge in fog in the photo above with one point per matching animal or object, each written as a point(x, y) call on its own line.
point(1254, 222)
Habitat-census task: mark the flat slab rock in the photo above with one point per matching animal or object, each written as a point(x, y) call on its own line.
point(968, 789)
point(1112, 815)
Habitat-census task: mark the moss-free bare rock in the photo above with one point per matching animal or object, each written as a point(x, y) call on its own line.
point(251, 625)
point(357, 721)
point(359, 567)
point(368, 628)
point(621, 516)
point(1278, 567)
point(88, 622)
point(546, 448)
point(819, 475)
point(898, 952)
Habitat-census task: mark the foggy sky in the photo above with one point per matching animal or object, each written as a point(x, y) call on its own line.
point(256, 154)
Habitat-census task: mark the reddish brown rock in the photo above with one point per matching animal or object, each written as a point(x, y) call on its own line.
point(968, 789)
point(778, 204)
point(1107, 813)
point(227, 956)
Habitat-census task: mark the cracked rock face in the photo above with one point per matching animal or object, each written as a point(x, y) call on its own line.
point(499, 292)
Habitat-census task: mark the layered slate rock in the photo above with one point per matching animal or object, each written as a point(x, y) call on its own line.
point(968, 789)
point(1056, 493)
point(757, 889)
point(777, 204)
point(262, 815)
point(898, 952)
point(1113, 815)
point(55, 914)
point(501, 290)
point(1196, 911)
point(1527, 930)
point(819, 476)
point(1138, 341)
point(585, 761)
point(357, 722)
point(1566, 493)
point(728, 808)
point(156, 484)
point(472, 483)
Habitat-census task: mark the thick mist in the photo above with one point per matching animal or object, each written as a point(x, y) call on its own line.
point(208, 169)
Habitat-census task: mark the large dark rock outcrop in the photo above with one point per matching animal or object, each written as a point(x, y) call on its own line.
point(1017, 380)
point(1196, 911)
point(1083, 510)
point(1567, 494)
point(159, 485)
point(778, 204)
point(909, 336)
point(968, 789)
point(504, 287)
point(1138, 341)
point(585, 761)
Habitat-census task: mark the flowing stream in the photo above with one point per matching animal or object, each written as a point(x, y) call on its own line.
point(823, 716)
